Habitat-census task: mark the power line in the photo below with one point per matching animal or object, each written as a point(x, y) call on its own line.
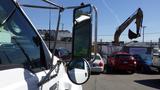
point(127, 34)
point(105, 3)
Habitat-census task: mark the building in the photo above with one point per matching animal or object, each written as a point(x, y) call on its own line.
point(63, 35)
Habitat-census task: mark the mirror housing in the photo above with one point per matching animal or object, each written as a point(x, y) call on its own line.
point(82, 32)
point(78, 71)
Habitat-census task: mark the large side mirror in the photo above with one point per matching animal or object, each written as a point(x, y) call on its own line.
point(78, 71)
point(82, 32)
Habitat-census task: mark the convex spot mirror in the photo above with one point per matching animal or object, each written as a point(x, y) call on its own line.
point(82, 32)
point(78, 71)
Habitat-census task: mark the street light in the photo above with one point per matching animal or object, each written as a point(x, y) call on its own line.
point(143, 32)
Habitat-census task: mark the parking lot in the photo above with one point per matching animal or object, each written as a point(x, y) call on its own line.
point(120, 81)
point(116, 80)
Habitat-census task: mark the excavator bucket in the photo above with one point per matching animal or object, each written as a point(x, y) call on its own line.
point(132, 35)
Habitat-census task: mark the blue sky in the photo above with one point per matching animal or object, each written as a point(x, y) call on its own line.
point(111, 14)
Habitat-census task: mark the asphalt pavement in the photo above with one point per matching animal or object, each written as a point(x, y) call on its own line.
point(119, 81)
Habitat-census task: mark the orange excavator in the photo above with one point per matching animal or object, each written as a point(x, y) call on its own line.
point(138, 15)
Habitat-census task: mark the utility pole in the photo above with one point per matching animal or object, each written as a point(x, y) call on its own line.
point(62, 26)
point(101, 46)
point(159, 43)
point(143, 32)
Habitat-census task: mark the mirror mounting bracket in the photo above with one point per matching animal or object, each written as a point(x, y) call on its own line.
point(48, 76)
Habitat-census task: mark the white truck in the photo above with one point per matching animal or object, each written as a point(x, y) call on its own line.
point(25, 61)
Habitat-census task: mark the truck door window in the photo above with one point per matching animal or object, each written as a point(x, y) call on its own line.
point(5, 10)
point(18, 43)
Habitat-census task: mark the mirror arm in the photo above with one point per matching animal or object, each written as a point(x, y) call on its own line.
point(96, 28)
point(48, 77)
point(72, 7)
point(55, 41)
point(35, 6)
point(51, 3)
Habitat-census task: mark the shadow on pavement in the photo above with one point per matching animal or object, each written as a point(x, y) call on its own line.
point(95, 73)
point(149, 73)
point(109, 70)
point(118, 73)
point(154, 83)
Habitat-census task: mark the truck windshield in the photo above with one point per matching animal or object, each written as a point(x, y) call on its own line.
point(5, 10)
point(18, 40)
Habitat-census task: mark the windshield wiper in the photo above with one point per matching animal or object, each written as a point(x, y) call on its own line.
point(8, 17)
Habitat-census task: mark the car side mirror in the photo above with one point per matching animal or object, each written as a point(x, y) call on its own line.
point(78, 71)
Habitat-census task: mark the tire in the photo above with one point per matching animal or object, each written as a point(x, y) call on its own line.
point(109, 69)
point(158, 70)
point(142, 70)
point(131, 72)
point(105, 70)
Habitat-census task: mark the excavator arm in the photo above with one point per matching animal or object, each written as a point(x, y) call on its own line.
point(138, 15)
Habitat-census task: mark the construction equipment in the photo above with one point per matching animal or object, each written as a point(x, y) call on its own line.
point(138, 15)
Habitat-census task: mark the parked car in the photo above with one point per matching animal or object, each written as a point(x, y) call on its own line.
point(98, 64)
point(122, 61)
point(63, 53)
point(144, 63)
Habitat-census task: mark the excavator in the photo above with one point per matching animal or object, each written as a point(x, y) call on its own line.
point(138, 15)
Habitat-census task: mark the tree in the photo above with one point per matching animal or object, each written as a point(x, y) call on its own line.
point(46, 37)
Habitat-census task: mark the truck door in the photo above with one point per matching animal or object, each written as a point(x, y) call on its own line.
point(23, 60)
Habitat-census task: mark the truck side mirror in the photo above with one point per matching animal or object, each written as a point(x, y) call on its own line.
point(78, 69)
point(82, 32)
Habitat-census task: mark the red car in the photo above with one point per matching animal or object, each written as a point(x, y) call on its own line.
point(122, 61)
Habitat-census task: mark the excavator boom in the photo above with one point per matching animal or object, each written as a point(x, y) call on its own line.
point(138, 15)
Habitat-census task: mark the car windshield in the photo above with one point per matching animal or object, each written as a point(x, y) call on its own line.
point(97, 57)
point(137, 57)
point(123, 56)
point(18, 41)
point(64, 52)
point(146, 57)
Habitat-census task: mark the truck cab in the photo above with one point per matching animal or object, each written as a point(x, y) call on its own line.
point(25, 61)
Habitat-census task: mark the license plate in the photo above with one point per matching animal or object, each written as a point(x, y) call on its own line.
point(94, 65)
